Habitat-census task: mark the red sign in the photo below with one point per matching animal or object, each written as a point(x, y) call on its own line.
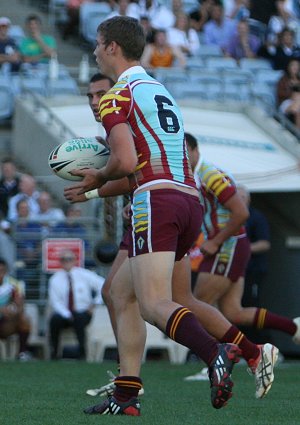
point(52, 249)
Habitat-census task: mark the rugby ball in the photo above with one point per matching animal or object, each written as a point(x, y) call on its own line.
point(77, 153)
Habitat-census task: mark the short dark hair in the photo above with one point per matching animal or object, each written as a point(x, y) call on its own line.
point(3, 262)
point(127, 32)
point(191, 141)
point(98, 77)
point(33, 17)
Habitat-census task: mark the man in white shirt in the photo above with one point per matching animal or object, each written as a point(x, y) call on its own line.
point(73, 292)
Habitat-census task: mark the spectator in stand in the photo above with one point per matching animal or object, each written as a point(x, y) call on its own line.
point(71, 226)
point(289, 80)
point(9, 184)
point(237, 9)
point(12, 318)
point(28, 236)
point(291, 106)
point(37, 47)
point(183, 36)
point(200, 16)
point(8, 249)
point(281, 20)
point(149, 31)
point(73, 293)
point(125, 8)
point(27, 190)
point(161, 54)
point(73, 9)
point(160, 16)
point(219, 29)
point(9, 54)
point(242, 44)
point(47, 213)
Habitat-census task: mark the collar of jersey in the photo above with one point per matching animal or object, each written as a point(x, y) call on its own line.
point(132, 70)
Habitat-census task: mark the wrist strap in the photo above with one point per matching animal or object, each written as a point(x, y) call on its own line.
point(92, 194)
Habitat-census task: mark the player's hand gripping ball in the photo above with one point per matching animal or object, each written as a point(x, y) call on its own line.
point(77, 153)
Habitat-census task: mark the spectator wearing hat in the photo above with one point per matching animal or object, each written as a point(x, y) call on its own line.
point(73, 293)
point(9, 55)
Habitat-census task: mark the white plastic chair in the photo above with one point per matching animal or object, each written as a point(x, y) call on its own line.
point(35, 339)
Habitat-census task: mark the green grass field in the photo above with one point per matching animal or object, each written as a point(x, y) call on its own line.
point(53, 393)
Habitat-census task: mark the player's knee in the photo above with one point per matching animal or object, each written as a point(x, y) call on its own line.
point(106, 292)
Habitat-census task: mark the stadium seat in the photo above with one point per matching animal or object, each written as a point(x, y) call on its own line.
point(157, 340)
point(268, 76)
point(6, 99)
point(100, 335)
point(257, 28)
point(237, 85)
point(35, 339)
point(204, 87)
point(62, 87)
point(209, 50)
point(264, 96)
point(33, 83)
point(221, 64)
point(195, 62)
point(57, 11)
point(17, 33)
point(254, 65)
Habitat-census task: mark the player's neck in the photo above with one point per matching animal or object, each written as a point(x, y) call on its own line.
point(122, 66)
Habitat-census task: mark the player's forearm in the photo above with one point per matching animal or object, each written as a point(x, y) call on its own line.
point(232, 228)
point(114, 188)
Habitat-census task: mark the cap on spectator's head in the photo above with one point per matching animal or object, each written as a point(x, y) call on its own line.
point(4, 225)
point(5, 21)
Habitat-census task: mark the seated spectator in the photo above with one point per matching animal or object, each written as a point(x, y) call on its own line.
point(73, 293)
point(125, 8)
point(149, 31)
point(219, 29)
point(12, 318)
point(182, 36)
point(73, 10)
point(8, 249)
point(200, 16)
point(27, 190)
point(28, 234)
point(37, 47)
point(160, 16)
point(10, 59)
point(291, 106)
point(280, 20)
point(289, 80)
point(237, 9)
point(281, 54)
point(47, 214)
point(161, 54)
point(73, 227)
point(242, 44)
point(9, 184)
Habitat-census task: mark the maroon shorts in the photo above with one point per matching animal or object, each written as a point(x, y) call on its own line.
point(164, 220)
point(231, 261)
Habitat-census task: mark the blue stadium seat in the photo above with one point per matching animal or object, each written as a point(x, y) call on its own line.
point(254, 64)
point(210, 50)
point(17, 33)
point(204, 88)
point(62, 87)
point(221, 63)
point(6, 99)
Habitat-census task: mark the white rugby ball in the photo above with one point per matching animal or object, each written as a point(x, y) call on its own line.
point(77, 153)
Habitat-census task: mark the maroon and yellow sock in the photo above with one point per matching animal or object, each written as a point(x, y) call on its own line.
point(264, 319)
point(184, 328)
point(127, 387)
point(235, 336)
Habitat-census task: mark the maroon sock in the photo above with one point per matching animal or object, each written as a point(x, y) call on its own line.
point(264, 319)
point(127, 387)
point(235, 336)
point(23, 337)
point(184, 328)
